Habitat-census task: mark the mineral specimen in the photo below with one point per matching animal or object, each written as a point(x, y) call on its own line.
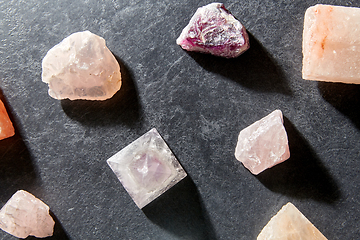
point(214, 30)
point(6, 127)
point(263, 144)
point(331, 45)
point(81, 67)
point(25, 215)
point(290, 223)
point(146, 168)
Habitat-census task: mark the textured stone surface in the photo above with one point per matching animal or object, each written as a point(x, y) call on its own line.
point(146, 168)
point(6, 127)
point(214, 30)
point(263, 144)
point(290, 224)
point(25, 215)
point(81, 67)
point(331, 45)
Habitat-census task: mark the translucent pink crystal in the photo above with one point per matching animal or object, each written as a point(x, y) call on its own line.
point(146, 168)
point(331, 45)
point(263, 144)
point(81, 67)
point(25, 215)
point(214, 30)
point(290, 223)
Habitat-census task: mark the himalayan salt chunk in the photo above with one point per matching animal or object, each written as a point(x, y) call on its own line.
point(290, 223)
point(263, 144)
point(214, 30)
point(146, 168)
point(331, 44)
point(24, 215)
point(6, 127)
point(81, 67)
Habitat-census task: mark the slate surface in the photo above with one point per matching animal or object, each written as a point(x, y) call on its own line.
point(198, 103)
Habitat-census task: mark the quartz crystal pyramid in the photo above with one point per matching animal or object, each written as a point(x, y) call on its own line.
point(146, 168)
point(331, 44)
point(214, 30)
point(6, 127)
point(263, 144)
point(81, 67)
point(25, 215)
point(290, 223)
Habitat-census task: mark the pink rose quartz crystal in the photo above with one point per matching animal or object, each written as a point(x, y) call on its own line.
point(214, 30)
point(331, 44)
point(263, 144)
point(6, 127)
point(290, 223)
point(81, 67)
point(146, 168)
point(24, 215)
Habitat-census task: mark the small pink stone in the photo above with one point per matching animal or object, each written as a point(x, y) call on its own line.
point(263, 144)
point(214, 30)
point(24, 215)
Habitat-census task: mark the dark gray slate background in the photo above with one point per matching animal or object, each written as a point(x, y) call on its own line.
point(198, 103)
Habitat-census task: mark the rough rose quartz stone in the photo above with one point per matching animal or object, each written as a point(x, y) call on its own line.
point(263, 144)
point(290, 223)
point(81, 67)
point(6, 127)
point(25, 215)
point(331, 44)
point(214, 30)
point(146, 168)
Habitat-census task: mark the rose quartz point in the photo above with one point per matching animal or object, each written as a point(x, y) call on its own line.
point(331, 44)
point(6, 126)
point(214, 30)
point(263, 144)
point(290, 223)
point(24, 215)
point(146, 168)
point(81, 67)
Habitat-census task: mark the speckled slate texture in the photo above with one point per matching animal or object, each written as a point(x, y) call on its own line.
point(198, 103)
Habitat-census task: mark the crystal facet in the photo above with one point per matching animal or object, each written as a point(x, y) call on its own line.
point(263, 144)
point(146, 168)
point(6, 127)
point(214, 30)
point(81, 67)
point(290, 223)
point(331, 45)
point(25, 215)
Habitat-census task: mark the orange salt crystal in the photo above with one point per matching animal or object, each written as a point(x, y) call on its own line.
point(6, 127)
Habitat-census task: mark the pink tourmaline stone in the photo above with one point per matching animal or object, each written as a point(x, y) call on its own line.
point(290, 223)
point(25, 215)
point(146, 168)
point(214, 30)
point(81, 67)
point(6, 127)
point(263, 144)
point(331, 45)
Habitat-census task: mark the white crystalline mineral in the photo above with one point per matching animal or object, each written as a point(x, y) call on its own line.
point(81, 67)
point(25, 215)
point(146, 168)
point(290, 223)
point(263, 144)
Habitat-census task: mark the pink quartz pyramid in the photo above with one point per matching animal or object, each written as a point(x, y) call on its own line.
point(263, 144)
point(331, 45)
point(81, 67)
point(6, 127)
point(290, 223)
point(214, 30)
point(24, 215)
